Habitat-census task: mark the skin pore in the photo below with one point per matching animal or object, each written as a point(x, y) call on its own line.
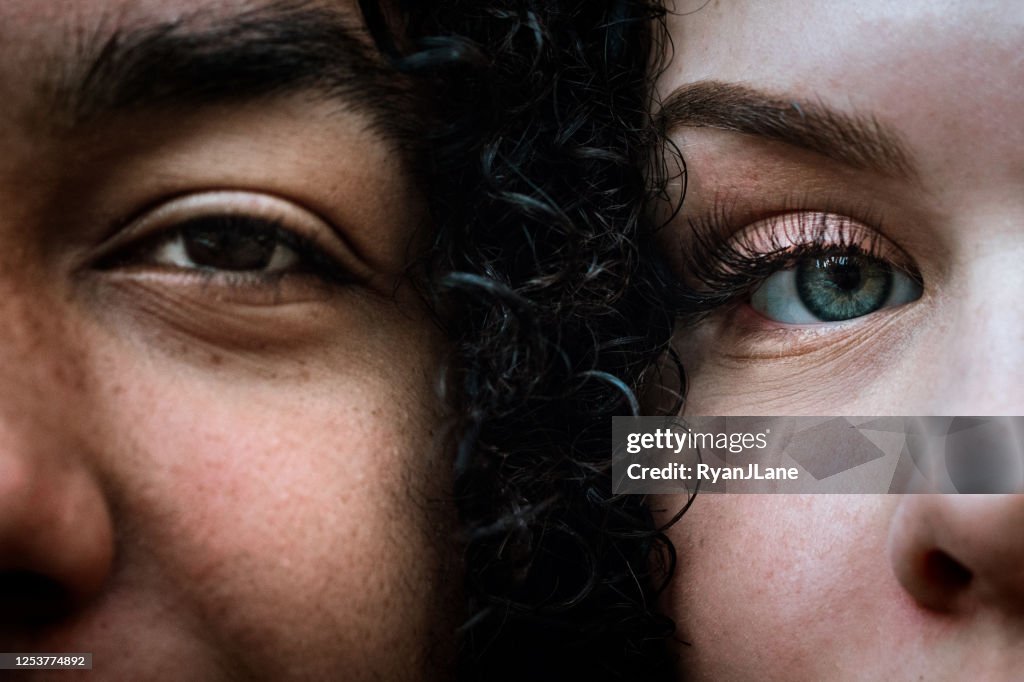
point(220, 450)
point(887, 136)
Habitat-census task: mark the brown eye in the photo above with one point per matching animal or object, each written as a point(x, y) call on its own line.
point(228, 243)
point(208, 244)
point(233, 238)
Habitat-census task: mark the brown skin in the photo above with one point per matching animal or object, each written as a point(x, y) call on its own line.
point(833, 587)
point(233, 477)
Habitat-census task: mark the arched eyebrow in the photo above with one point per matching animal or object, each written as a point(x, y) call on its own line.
point(212, 57)
point(861, 142)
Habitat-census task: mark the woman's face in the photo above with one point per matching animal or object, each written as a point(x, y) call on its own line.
point(853, 219)
point(219, 442)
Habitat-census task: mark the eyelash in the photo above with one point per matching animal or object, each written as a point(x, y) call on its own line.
point(311, 257)
point(723, 268)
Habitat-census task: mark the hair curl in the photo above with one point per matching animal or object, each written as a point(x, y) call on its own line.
point(536, 169)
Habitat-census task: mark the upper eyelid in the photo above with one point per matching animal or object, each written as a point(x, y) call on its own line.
point(298, 243)
point(816, 231)
point(310, 229)
point(732, 210)
point(795, 232)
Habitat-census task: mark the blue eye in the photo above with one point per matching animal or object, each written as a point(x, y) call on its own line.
point(832, 287)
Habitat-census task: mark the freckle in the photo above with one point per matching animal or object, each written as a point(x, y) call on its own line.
point(216, 359)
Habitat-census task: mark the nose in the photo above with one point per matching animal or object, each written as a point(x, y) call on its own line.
point(56, 536)
point(56, 530)
point(958, 553)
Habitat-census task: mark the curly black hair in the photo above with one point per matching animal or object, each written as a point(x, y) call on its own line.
point(536, 169)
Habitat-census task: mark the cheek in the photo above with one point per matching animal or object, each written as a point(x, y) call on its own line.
point(868, 368)
point(780, 587)
point(294, 521)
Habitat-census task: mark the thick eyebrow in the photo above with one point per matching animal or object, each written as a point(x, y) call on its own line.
point(211, 58)
point(857, 141)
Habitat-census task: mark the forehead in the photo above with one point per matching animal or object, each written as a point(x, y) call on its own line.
point(46, 43)
point(33, 28)
point(791, 40)
point(947, 76)
point(27, 25)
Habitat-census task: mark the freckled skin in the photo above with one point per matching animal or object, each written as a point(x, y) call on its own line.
point(837, 587)
point(229, 481)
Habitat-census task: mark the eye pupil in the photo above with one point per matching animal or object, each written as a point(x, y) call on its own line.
point(213, 246)
point(842, 287)
point(843, 272)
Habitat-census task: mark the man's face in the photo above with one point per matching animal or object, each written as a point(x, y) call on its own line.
point(860, 167)
point(219, 443)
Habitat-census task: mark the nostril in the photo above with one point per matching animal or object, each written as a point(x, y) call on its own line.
point(31, 599)
point(945, 572)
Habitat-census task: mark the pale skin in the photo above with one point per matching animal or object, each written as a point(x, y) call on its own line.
point(847, 588)
point(226, 476)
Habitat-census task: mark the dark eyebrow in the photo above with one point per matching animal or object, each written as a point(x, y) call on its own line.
point(860, 142)
point(206, 58)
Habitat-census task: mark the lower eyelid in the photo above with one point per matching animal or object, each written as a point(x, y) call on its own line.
point(745, 334)
point(184, 317)
point(245, 289)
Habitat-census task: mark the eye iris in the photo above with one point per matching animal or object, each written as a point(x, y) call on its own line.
point(212, 246)
point(842, 287)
